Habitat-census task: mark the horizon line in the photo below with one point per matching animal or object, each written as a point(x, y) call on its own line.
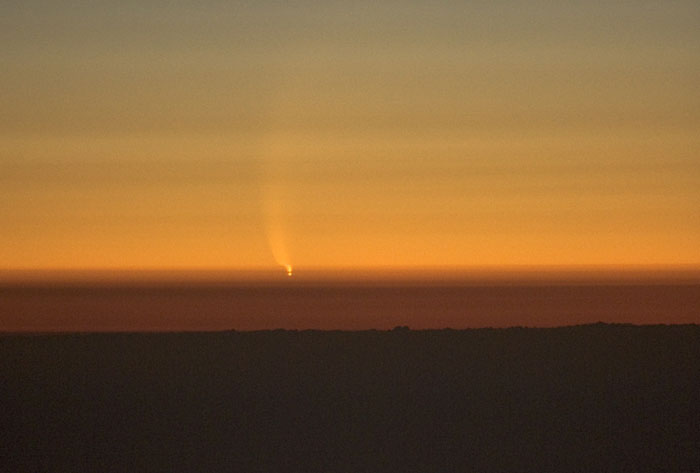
point(688, 273)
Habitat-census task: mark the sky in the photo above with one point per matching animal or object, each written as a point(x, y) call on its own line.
point(398, 134)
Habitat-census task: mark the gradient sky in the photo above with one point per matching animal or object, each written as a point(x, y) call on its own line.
point(183, 134)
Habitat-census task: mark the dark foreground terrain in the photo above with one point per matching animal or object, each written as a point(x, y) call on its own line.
point(587, 398)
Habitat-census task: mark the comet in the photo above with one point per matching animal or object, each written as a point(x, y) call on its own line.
point(275, 226)
point(276, 200)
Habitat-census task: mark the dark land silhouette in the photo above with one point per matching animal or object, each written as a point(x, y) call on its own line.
point(575, 399)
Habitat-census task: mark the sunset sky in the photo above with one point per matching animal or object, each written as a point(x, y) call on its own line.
point(236, 135)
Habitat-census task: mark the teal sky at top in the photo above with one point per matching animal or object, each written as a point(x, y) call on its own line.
point(65, 63)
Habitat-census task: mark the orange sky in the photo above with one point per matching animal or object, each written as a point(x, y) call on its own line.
point(207, 135)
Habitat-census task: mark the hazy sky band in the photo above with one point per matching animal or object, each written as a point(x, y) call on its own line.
point(144, 134)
